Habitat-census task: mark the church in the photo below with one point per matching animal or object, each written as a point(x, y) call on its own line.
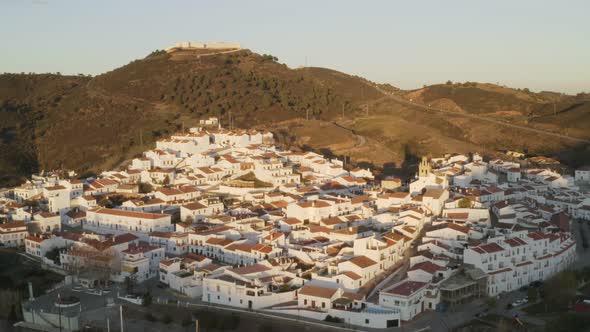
point(427, 179)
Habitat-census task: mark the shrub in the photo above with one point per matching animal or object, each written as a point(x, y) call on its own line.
point(145, 188)
point(167, 319)
point(186, 321)
point(147, 299)
point(333, 319)
point(465, 203)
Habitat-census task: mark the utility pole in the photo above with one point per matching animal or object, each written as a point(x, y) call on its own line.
point(108, 325)
point(197, 325)
point(121, 315)
point(342, 110)
point(140, 137)
point(554, 110)
point(307, 114)
point(59, 309)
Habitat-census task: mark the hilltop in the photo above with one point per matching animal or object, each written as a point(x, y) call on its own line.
point(50, 121)
point(546, 110)
point(90, 124)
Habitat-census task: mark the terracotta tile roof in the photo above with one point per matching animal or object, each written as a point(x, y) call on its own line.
point(315, 204)
point(453, 226)
point(434, 193)
point(463, 215)
point(515, 242)
point(292, 221)
point(491, 247)
point(318, 291)
point(406, 288)
point(427, 266)
point(362, 261)
point(13, 224)
point(256, 268)
point(194, 206)
point(261, 247)
point(352, 275)
point(130, 214)
point(57, 187)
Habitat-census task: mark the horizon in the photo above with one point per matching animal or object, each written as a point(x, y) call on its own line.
point(524, 45)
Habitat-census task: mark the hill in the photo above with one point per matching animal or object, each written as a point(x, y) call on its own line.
point(545, 110)
point(91, 124)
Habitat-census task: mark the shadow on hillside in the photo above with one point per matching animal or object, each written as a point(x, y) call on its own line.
point(405, 171)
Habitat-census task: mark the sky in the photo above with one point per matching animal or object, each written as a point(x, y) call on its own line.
point(540, 45)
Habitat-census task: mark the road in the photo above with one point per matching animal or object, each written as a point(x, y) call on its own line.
point(422, 107)
point(360, 140)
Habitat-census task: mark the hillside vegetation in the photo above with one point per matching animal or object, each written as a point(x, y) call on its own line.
point(91, 124)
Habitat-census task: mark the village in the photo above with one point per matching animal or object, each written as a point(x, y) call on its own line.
point(226, 218)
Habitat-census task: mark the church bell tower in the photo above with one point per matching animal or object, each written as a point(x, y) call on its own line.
point(424, 168)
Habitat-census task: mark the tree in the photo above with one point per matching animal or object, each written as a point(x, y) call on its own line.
point(532, 294)
point(166, 180)
point(464, 203)
point(449, 82)
point(491, 302)
point(53, 254)
point(167, 319)
point(560, 290)
point(145, 188)
point(147, 299)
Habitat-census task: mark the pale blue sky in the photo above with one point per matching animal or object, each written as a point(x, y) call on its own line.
point(543, 45)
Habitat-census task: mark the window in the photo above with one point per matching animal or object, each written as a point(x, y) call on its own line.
point(305, 302)
point(366, 321)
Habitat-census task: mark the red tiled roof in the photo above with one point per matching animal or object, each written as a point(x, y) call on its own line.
point(256, 268)
point(427, 266)
point(362, 261)
point(130, 214)
point(406, 288)
point(490, 247)
point(318, 291)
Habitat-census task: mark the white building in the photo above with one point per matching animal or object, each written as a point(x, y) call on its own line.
point(583, 174)
point(103, 220)
point(13, 234)
point(517, 261)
